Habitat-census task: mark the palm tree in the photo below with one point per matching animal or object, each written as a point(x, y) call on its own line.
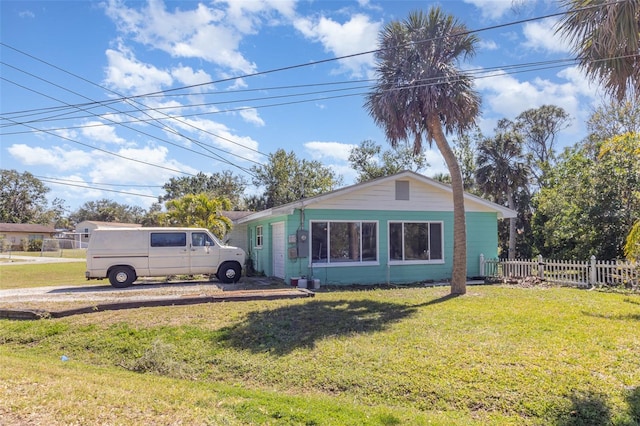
point(605, 35)
point(199, 210)
point(421, 93)
point(502, 169)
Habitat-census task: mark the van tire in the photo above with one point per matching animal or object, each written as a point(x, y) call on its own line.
point(229, 273)
point(122, 276)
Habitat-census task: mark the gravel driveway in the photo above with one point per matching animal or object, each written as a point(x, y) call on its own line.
point(37, 302)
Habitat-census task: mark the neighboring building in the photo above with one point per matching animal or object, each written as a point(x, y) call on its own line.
point(395, 229)
point(84, 228)
point(238, 237)
point(16, 232)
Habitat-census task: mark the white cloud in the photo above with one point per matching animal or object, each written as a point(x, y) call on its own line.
point(329, 150)
point(358, 34)
point(126, 74)
point(60, 158)
point(219, 135)
point(541, 35)
point(488, 45)
point(204, 32)
point(492, 9)
point(188, 77)
point(26, 14)
point(98, 131)
point(250, 115)
point(505, 97)
point(114, 169)
point(246, 15)
point(436, 163)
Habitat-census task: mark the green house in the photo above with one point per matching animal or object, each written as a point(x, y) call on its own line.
point(395, 229)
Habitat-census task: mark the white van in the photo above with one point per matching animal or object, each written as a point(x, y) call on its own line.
point(124, 254)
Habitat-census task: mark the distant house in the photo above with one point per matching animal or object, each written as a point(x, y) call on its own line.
point(16, 232)
point(395, 229)
point(85, 228)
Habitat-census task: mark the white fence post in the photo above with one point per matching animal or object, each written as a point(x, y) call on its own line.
point(482, 265)
point(592, 272)
point(540, 267)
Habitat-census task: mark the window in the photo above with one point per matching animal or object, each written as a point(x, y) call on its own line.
point(415, 241)
point(343, 242)
point(201, 239)
point(259, 238)
point(169, 239)
point(86, 232)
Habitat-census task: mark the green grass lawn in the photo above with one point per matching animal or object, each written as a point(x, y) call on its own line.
point(46, 274)
point(413, 356)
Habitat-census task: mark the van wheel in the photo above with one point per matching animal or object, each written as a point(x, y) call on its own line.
point(122, 276)
point(229, 273)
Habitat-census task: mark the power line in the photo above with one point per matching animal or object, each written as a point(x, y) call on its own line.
point(101, 183)
point(133, 99)
point(476, 74)
point(117, 123)
point(100, 189)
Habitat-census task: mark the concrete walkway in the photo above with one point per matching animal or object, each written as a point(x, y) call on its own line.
point(12, 259)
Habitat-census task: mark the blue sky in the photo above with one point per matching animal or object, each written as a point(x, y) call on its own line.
point(71, 72)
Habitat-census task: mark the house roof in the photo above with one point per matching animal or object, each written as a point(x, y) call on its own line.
point(26, 227)
point(503, 212)
point(236, 214)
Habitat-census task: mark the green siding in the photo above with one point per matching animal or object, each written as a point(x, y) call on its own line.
point(482, 238)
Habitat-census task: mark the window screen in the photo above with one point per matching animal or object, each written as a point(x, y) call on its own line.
point(402, 190)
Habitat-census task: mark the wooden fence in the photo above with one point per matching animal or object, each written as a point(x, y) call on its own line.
point(573, 273)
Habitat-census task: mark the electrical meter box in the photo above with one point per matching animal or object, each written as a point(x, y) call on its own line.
point(302, 243)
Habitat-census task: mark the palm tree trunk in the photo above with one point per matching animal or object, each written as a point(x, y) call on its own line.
point(459, 273)
point(512, 226)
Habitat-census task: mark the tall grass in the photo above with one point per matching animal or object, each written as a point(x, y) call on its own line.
point(408, 356)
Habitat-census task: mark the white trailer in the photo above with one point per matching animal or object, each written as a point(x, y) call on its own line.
point(124, 254)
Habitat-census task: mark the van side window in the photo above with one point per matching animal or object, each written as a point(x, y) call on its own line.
point(200, 239)
point(168, 239)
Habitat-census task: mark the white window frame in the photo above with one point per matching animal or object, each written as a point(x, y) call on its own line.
point(328, 263)
point(415, 262)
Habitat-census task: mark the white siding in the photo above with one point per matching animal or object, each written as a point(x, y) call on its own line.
point(422, 197)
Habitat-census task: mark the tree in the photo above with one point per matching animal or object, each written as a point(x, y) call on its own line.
point(539, 128)
point(23, 199)
point(611, 119)
point(223, 184)
point(501, 171)
point(464, 148)
point(200, 211)
point(605, 36)
point(366, 160)
point(106, 210)
point(421, 93)
point(590, 204)
point(287, 179)
point(632, 244)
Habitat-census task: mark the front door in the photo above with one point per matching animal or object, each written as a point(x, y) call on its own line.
point(277, 249)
